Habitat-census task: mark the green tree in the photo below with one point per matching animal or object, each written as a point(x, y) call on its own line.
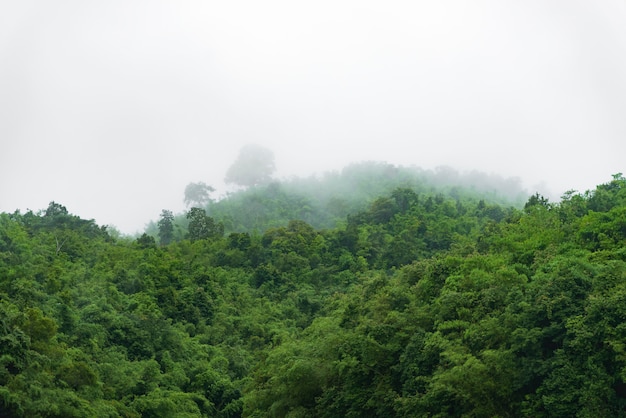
point(146, 241)
point(536, 200)
point(202, 226)
point(166, 227)
point(55, 209)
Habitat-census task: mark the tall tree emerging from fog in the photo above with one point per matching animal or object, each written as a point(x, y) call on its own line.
point(198, 194)
point(254, 165)
point(166, 227)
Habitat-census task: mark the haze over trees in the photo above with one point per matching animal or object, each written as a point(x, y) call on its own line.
point(254, 166)
point(431, 300)
point(198, 194)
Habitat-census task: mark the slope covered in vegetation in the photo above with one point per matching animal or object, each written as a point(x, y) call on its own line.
point(423, 304)
point(326, 200)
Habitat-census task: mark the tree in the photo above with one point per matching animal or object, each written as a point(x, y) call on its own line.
point(202, 226)
point(55, 209)
point(197, 194)
point(56, 215)
point(254, 165)
point(536, 200)
point(166, 227)
point(146, 241)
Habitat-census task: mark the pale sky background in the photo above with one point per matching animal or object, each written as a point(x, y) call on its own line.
point(112, 107)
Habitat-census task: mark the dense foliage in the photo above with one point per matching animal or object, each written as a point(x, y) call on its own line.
point(427, 303)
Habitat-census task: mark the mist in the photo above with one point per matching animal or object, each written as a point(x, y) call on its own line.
point(111, 109)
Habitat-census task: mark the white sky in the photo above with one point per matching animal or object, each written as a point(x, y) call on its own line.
point(112, 108)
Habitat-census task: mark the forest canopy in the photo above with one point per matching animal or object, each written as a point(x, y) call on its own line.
point(421, 300)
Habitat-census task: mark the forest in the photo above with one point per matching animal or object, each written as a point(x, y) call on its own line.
point(373, 292)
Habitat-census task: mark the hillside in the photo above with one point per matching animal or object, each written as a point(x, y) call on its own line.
point(427, 301)
point(324, 201)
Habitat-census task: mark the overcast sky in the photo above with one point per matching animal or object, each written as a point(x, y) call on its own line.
point(112, 108)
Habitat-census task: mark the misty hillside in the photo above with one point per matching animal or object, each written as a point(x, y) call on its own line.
point(430, 301)
point(326, 200)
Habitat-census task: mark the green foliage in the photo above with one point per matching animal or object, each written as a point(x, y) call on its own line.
point(146, 241)
point(419, 303)
point(166, 227)
point(202, 226)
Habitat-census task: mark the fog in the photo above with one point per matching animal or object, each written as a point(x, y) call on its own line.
point(112, 108)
